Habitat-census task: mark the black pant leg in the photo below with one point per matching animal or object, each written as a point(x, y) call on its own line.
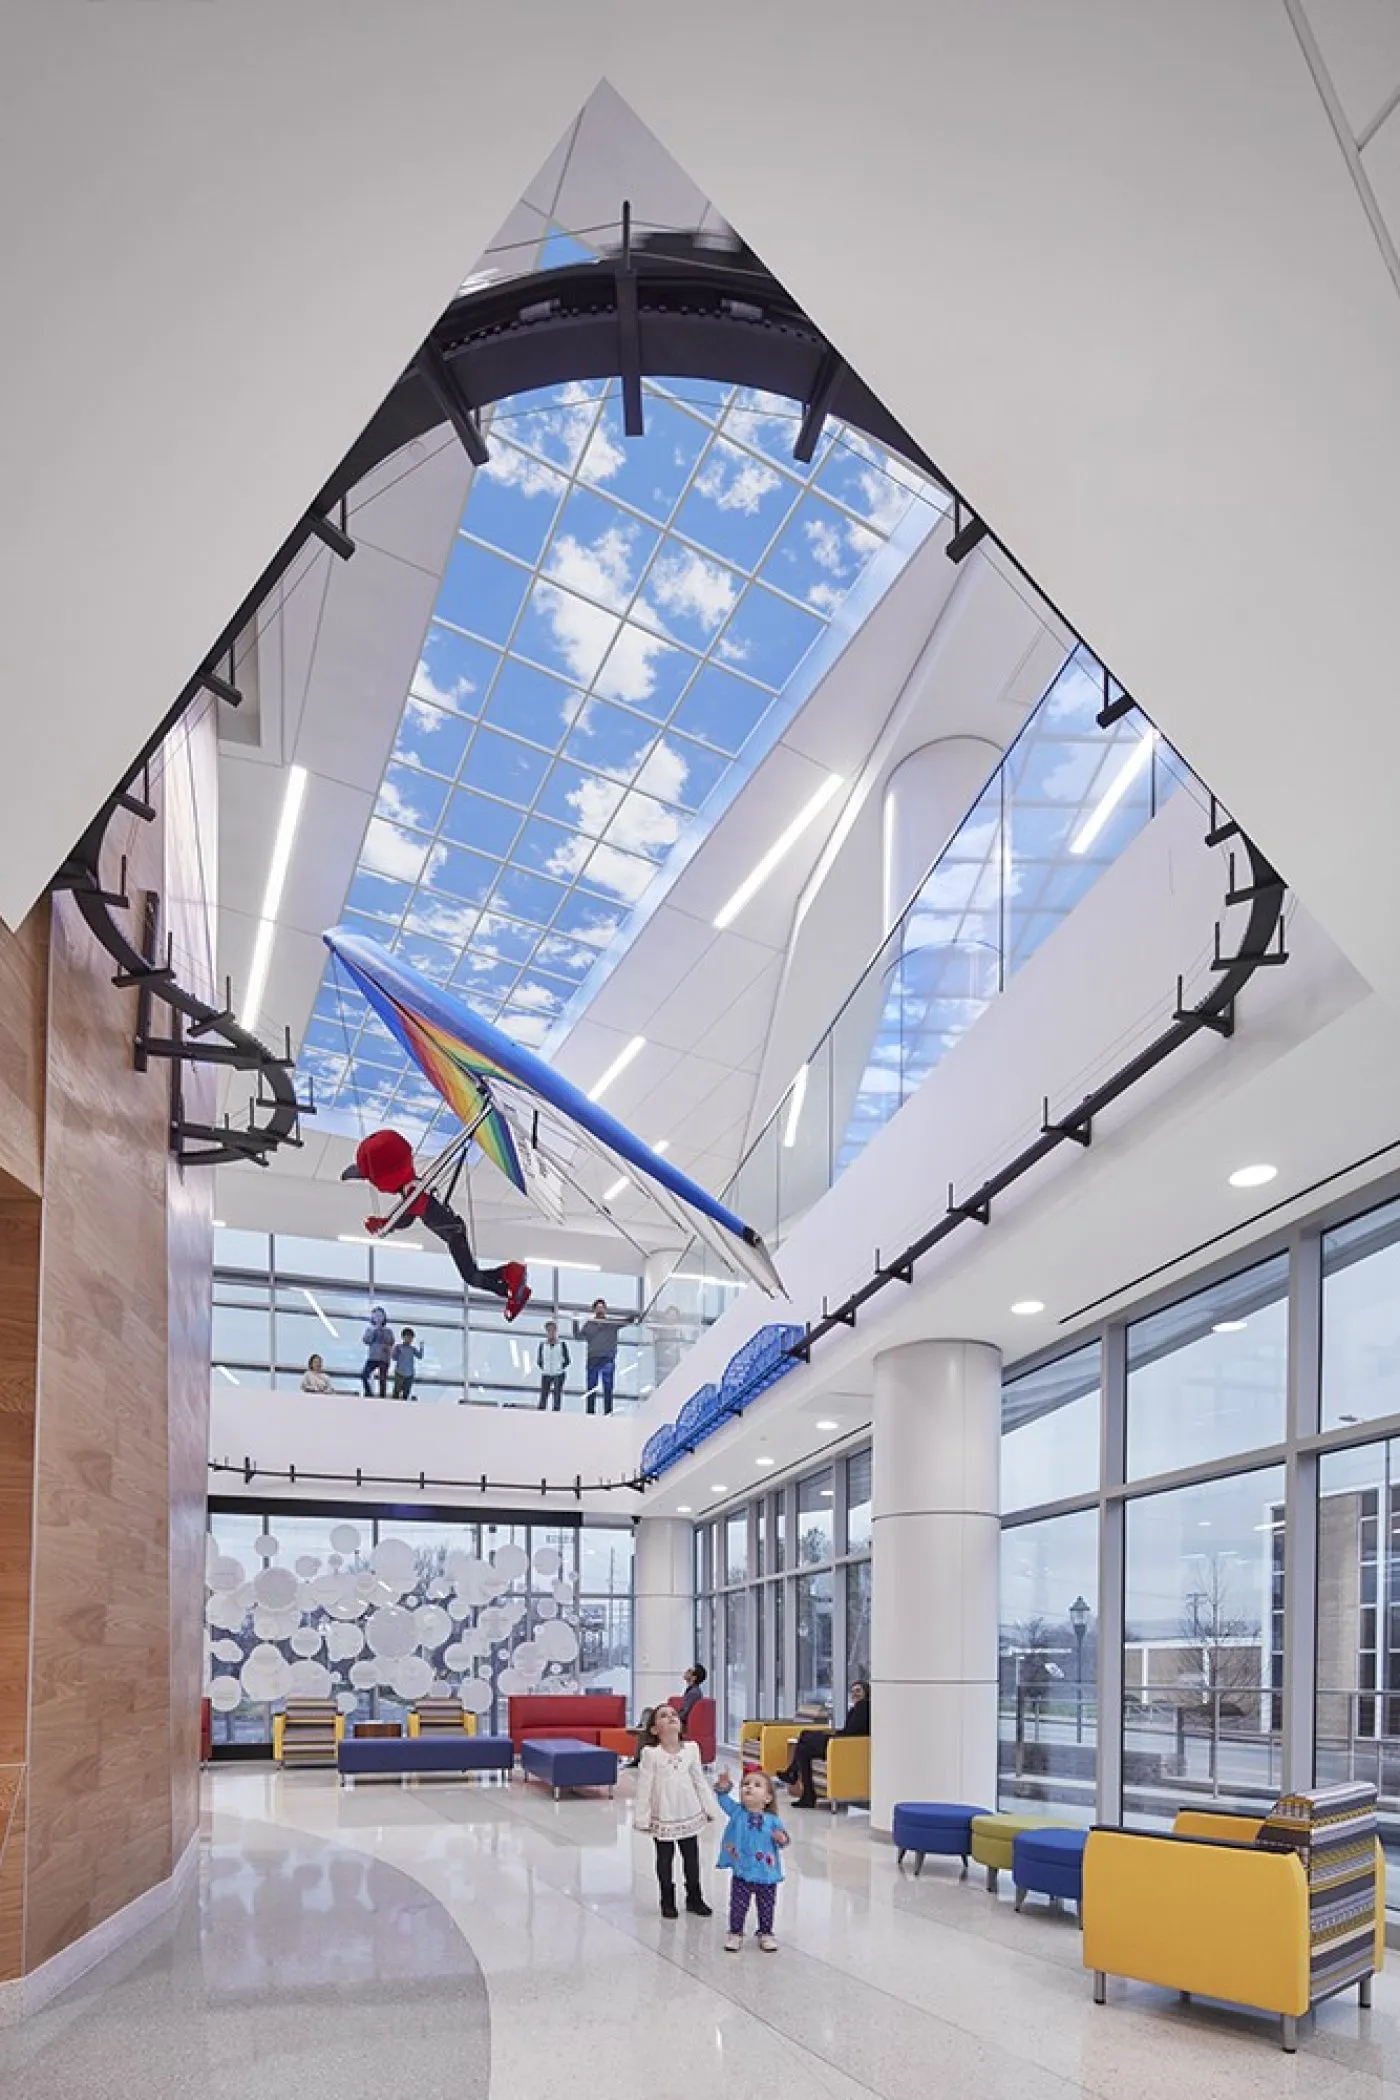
point(666, 1866)
point(690, 1864)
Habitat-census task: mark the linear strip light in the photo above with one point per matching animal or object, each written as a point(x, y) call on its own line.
point(224, 1372)
point(314, 1302)
point(794, 1114)
point(625, 1180)
point(753, 882)
point(618, 1066)
point(292, 800)
point(1113, 794)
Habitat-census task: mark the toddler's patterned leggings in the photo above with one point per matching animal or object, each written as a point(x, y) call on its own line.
point(764, 1893)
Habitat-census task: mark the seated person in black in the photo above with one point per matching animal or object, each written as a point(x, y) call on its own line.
point(813, 1741)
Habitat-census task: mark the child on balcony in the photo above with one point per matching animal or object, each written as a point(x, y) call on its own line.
point(673, 1804)
point(749, 1851)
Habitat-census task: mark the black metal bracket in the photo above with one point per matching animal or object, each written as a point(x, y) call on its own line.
point(978, 1210)
point(629, 333)
point(818, 406)
point(1078, 1128)
point(1220, 1021)
point(443, 385)
point(1115, 705)
point(330, 534)
point(968, 531)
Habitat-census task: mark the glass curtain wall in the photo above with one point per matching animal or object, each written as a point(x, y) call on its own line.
point(580, 1573)
point(779, 1625)
point(279, 1299)
point(1200, 1580)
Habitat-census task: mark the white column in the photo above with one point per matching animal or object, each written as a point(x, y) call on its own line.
point(934, 1574)
point(663, 1608)
point(926, 798)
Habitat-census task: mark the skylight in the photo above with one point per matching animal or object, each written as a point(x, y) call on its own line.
point(623, 629)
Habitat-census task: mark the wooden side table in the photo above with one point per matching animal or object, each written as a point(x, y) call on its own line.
point(377, 1730)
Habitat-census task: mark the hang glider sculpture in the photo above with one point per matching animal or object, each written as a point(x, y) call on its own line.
point(533, 1125)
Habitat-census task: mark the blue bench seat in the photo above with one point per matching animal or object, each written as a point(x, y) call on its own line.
point(1050, 1863)
point(561, 1761)
point(943, 1827)
point(360, 1757)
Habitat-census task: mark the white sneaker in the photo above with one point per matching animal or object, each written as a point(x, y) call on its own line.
point(767, 1942)
point(733, 1943)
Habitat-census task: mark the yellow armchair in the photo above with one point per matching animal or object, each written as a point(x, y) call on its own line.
point(768, 1744)
point(1206, 1913)
point(467, 1723)
point(844, 1773)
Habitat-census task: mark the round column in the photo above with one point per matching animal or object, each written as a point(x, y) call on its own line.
point(663, 1608)
point(934, 1574)
point(926, 798)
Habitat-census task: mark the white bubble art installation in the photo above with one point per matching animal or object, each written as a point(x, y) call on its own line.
point(511, 1560)
point(348, 1702)
point(511, 1683)
point(275, 1587)
point(226, 1651)
point(225, 1693)
point(308, 1564)
point(547, 1561)
point(265, 1676)
point(434, 1625)
point(557, 1641)
point(348, 1607)
point(309, 1680)
point(475, 1695)
point(276, 1625)
point(412, 1678)
point(345, 1538)
point(365, 1675)
point(226, 1574)
point(546, 1608)
point(344, 1641)
point(392, 1632)
point(395, 1563)
point(267, 1547)
point(307, 1640)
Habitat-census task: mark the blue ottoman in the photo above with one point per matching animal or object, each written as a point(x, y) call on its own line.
point(401, 1756)
point(1050, 1863)
point(922, 1827)
point(560, 1762)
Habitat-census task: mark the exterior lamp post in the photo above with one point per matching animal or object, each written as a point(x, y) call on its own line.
point(1079, 1620)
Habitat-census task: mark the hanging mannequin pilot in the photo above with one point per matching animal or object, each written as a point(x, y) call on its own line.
point(385, 1160)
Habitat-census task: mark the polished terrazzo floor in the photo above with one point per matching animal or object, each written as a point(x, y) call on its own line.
point(450, 1940)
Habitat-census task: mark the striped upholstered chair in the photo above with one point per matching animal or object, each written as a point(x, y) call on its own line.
point(1277, 1911)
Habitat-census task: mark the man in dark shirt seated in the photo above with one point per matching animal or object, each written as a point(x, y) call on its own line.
point(813, 1741)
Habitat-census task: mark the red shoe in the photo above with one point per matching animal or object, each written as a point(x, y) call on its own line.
point(375, 1224)
point(518, 1292)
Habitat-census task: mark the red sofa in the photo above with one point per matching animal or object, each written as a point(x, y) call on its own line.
point(700, 1727)
point(537, 1716)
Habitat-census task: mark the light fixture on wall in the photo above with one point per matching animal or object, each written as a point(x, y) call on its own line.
point(682, 1509)
point(1229, 1327)
point(1133, 765)
point(779, 850)
point(828, 1425)
point(292, 798)
point(718, 1487)
point(765, 1461)
point(1253, 1177)
point(1026, 1308)
point(615, 1070)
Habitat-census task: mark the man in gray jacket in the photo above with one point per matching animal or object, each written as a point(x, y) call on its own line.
point(599, 1337)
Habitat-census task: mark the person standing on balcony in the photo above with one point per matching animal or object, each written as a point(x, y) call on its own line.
point(407, 1357)
point(378, 1339)
point(599, 1337)
point(553, 1358)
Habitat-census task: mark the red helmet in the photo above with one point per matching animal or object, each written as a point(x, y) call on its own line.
point(385, 1160)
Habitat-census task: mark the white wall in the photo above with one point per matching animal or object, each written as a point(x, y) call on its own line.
point(336, 1433)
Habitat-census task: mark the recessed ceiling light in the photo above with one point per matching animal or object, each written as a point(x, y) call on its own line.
point(1025, 1307)
point(782, 845)
point(828, 1425)
point(829, 1493)
point(292, 797)
point(617, 1067)
point(1229, 1327)
point(717, 1487)
point(1134, 764)
point(682, 1509)
point(1252, 1177)
point(765, 1461)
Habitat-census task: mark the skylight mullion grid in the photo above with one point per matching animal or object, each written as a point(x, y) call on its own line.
point(728, 431)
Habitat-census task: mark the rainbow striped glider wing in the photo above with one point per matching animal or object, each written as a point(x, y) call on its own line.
point(530, 1121)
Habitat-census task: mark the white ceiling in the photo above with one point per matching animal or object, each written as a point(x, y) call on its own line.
point(1129, 275)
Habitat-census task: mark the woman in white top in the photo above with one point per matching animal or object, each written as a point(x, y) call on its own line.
point(672, 1806)
point(314, 1379)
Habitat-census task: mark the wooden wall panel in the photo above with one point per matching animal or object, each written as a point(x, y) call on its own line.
point(12, 1850)
point(19, 1347)
point(99, 1826)
point(23, 998)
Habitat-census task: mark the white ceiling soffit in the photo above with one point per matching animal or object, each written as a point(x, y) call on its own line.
point(1152, 329)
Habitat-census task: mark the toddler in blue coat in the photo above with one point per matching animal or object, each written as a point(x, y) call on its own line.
point(749, 1850)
